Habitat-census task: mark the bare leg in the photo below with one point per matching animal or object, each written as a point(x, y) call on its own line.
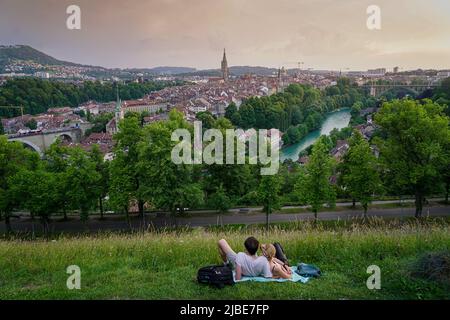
point(224, 248)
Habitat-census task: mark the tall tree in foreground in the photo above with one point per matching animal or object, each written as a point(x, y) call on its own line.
point(13, 157)
point(414, 151)
point(167, 185)
point(128, 139)
point(82, 178)
point(102, 168)
point(360, 175)
point(269, 194)
point(36, 191)
point(314, 187)
point(56, 161)
point(220, 201)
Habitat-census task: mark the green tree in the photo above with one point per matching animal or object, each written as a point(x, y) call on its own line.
point(230, 111)
point(32, 124)
point(82, 179)
point(13, 158)
point(207, 119)
point(220, 201)
point(127, 140)
point(414, 151)
point(269, 194)
point(314, 187)
point(2, 130)
point(35, 191)
point(360, 174)
point(167, 185)
point(121, 184)
point(56, 161)
point(102, 168)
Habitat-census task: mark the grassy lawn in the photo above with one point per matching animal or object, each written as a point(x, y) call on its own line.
point(163, 265)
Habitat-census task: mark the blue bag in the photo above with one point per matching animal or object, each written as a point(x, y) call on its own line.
point(308, 270)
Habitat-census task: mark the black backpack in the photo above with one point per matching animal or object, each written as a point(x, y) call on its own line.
point(218, 276)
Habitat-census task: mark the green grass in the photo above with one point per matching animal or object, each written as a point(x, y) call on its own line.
point(357, 208)
point(163, 265)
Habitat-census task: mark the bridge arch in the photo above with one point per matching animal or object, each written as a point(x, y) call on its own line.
point(29, 145)
point(64, 137)
point(400, 91)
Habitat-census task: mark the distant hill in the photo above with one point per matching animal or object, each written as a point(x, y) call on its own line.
point(28, 53)
point(242, 70)
point(163, 70)
point(172, 70)
point(235, 71)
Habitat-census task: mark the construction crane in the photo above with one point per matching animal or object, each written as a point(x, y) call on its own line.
point(299, 64)
point(13, 107)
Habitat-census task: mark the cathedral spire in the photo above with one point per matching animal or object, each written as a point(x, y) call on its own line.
point(224, 67)
point(118, 109)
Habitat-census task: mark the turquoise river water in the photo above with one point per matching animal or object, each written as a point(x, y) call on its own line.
point(337, 119)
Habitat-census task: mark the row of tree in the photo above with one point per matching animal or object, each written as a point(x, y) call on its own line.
point(37, 95)
point(414, 159)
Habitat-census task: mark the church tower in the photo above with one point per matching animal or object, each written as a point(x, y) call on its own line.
point(225, 71)
point(118, 109)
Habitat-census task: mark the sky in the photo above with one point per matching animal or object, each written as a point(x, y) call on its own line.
point(323, 34)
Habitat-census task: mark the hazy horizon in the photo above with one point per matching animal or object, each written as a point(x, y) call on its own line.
point(324, 34)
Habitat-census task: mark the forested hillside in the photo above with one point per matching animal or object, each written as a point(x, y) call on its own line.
point(36, 95)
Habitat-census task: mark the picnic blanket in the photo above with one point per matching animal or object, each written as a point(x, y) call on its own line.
point(295, 278)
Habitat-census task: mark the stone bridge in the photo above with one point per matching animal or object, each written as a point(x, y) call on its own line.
point(41, 141)
point(378, 89)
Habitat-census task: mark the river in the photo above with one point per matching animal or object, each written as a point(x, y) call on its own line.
point(337, 119)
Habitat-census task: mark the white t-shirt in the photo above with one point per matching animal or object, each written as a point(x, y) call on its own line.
point(253, 266)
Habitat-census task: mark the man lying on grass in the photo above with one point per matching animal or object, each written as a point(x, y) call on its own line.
point(249, 264)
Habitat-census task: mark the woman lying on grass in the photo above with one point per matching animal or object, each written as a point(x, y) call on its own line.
point(277, 267)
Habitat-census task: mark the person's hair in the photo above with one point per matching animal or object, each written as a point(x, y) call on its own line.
point(268, 251)
point(252, 245)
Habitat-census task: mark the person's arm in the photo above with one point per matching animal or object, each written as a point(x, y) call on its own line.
point(281, 263)
point(277, 261)
point(278, 271)
point(238, 272)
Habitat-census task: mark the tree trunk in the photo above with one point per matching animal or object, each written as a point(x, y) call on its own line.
point(141, 208)
point(316, 218)
point(353, 203)
point(65, 213)
point(447, 188)
point(8, 224)
point(100, 202)
point(365, 210)
point(419, 204)
point(45, 226)
point(267, 220)
point(127, 215)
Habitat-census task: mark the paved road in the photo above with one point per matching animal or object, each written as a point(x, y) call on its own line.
point(339, 204)
point(118, 223)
